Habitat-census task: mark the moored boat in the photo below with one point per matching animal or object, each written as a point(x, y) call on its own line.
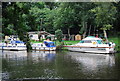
point(45, 46)
point(13, 45)
point(92, 44)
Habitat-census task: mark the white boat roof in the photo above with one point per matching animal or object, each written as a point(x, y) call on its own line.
point(92, 38)
point(47, 41)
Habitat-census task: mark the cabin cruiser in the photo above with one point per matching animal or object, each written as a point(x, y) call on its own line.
point(92, 44)
point(45, 46)
point(13, 45)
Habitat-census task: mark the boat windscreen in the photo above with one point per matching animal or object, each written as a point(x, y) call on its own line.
point(99, 41)
point(85, 41)
point(81, 41)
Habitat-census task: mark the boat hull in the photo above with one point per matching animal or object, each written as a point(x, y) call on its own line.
point(13, 48)
point(91, 49)
point(44, 48)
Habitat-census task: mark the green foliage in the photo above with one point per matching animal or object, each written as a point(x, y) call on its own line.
point(104, 15)
point(82, 30)
point(59, 35)
point(65, 17)
point(21, 17)
point(48, 37)
point(106, 27)
point(71, 42)
point(116, 41)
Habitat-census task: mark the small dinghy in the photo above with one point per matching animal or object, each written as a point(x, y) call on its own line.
point(92, 44)
point(13, 45)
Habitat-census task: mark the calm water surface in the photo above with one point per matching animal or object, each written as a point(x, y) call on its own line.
point(59, 65)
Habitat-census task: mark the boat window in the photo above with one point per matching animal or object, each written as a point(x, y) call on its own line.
point(14, 37)
point(87, 41)
point(31, 35)
point(81, 41)
point(38, 44)
point(52, 44)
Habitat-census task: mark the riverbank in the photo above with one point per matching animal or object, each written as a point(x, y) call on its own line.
point(116, 41)
point(67, 42)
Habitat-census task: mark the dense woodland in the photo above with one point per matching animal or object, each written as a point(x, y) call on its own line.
point(85, 18)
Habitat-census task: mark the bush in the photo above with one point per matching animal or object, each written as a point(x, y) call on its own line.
point(59, 34)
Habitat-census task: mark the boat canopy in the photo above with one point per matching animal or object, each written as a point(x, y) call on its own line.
point(49, 44)
point(92, 38)
point(89, 39)
point(13, 42)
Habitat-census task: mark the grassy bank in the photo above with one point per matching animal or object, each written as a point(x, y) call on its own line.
point(111, 39)
point(36, 41)
point(116, 41)
point(70, 42)
point(66, 42)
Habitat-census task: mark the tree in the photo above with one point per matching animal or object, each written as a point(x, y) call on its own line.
point(15, 20)
point(104, 16)
point(65, 17)
point(49, 21)
point(59, 35)
point(84, 16)
point(73, 16)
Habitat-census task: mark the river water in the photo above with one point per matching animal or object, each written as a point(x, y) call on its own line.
point(59, 65)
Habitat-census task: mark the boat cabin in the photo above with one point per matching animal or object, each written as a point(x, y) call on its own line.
point(49, 44)
point(93, 40)
point(14, 42)
point(44, 44)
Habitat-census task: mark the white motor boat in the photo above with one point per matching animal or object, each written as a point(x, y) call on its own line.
point(13, 45)
point(92, 44)
point(46, 46)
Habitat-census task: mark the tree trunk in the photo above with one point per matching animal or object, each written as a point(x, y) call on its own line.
point(105, 35)
point(84, 35)
point(89, 30)
point(69, 33)
point(85, 28)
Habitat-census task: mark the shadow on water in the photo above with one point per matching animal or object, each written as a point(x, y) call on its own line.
point(59, 65)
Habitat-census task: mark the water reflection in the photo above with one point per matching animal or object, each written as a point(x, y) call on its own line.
point(95, 65)
point(20, 64)
point(23, 55)
point(93, 61)
point(51, 64)
point(14, 55)
point(42, 55)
